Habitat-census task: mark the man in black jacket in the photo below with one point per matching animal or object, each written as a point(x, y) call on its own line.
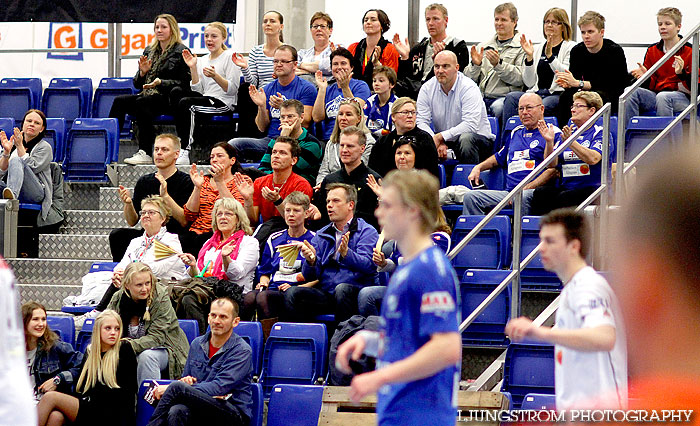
point(416, 65)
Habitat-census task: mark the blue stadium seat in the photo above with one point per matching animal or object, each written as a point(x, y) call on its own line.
point(17, 95)
point(102, 266)
point(84, 335)
point(190, 327)
point(528, 368)
point(144, 410)
point(641, 130)
point(539, 401)
point(108, 89)
point(490, 249)
point(69, 98)
point(493, 121)
point(488, 328)
point(8, 125)
point(534, 277)
point(92, 144)
point(494, 178)
point(64, 327)
point(443, 175)
point(460, 176)
point(253, 165)
point(294, 405)
point(252, 332)
point(77, 309)
point(256, 411)
point(294, 354)
point(56, 136)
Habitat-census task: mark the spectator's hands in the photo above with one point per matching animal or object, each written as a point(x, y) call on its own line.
point(284, 286)
point(678, 64)
point(189, 58)
point(286, 129)
point(565, 79)
point(546, 131)
point(477, 55)
point(217, 171)
point(548, 52)
point(152, 84)
point(527, 47)
point(257, 96)
point(47, 386)
point(321, 81)
point(270, 195)
point(376, 56)
point(350, 349)
point(124, 194)
point(343, 247)
point(378, 258)
point(402, 47)
point(18, 138)
point(276, 100)
point(209, 71)
point(492, 56)
point(163, 184)
point(438, 47)
point(521, 328)
point(259, 286)
point(144, 65)
point(375, 186)
point(117, 278)
point(639, 72)
point(197, 177)
point(313, 213)
point(159, 391)
point(474, 175)
point(227, 249)
point(244, 184)
point(566, 131)
point(343, 79)
point(188, 260)
point(189, 380)
point(6, 143)
point(309, 253)
point(239, 60)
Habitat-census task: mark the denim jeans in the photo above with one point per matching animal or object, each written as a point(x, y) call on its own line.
point(250, 148)
point(369, 301)
point(23, 182)
point(150, 364)
point(480, 200)
point(182, 404)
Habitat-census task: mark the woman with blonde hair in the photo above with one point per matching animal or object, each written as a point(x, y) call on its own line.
point(214, 85)
point(150, 324)
point(230, 254)
point(106, 386)
point(161, 69)
point(350, 113)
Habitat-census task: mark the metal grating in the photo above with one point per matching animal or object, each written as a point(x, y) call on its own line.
point(63, 246)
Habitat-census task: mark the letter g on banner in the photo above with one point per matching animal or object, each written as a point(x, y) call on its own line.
point(68, 35)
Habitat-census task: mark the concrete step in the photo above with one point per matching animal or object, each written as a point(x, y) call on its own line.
point(92, 222)
point(70, 246)
point(82, 196)
point(109, 198)
point(49, 295)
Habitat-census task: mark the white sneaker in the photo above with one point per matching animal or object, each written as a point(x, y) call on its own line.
point(80, 319)
point(139, 158)
point(184, 158)
point(8, 194)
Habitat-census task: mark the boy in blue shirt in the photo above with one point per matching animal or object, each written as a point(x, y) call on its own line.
point(378, 107)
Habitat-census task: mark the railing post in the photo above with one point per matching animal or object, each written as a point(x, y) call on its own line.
point(517, 232)
point(602, 250)
point(118, 49)
point(110, 49)
point(620, 160)
point(694, 88)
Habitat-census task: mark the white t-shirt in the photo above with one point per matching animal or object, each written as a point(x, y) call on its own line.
point(582, 378)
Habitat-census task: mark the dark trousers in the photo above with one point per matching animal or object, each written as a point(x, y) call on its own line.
point(143, 109)
point(106, 298)
point(119, 240)
point(267, 304)
point(303, 304)
point(548, 198)
point(189, 109)
point(191, 308)
point(346, 301)
point(192, 242)
point(182, 405)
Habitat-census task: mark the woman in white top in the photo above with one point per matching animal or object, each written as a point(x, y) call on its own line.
point(258, 68)
point(349, 114)
point(317, 57)
point(214, 84)
point(542, 62)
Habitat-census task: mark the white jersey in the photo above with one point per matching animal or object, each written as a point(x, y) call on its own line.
point(582, 378)
point(16, 399)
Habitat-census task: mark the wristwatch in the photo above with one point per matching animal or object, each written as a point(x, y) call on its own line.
point(580, 84)
point(57, 380)
point(279, 201)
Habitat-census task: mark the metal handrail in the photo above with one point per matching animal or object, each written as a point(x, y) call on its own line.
point(622, 120)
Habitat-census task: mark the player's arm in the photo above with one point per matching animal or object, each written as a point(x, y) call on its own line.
point(591, 339)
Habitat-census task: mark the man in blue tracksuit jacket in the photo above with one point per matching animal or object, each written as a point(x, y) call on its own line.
point(337, 262)
point(215, 387)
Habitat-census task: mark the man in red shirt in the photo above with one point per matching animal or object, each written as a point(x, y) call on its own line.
point(264, 197)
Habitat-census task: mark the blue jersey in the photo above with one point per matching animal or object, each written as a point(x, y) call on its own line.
point(422, 299)
point(272, 264)
point(334, 95)
point(523, 153)
point(379, 117)
point(575, 173)
point(298, 89)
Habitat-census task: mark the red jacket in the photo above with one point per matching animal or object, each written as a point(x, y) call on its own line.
point(666, 79)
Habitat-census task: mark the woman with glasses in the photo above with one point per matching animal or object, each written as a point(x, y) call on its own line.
point(373, 50)
point(403, 114)
point(580, 165)
point(154, 215)
point(349, 114)
point(542, 61)
point(230, 254)
point(317, 57)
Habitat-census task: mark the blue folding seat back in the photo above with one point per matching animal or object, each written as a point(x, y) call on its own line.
point(92, 144)
point(538, 402)
point(7, 124)
point(258, 407)
point(443, 175)
point(294, 354)
point(490, 249)
point(294, 405)
point(190, 327)
point(528, 368)
point(64, 327)
point(17, 95)
point(460, 176)
point(144, 410)
point(251, 332)
point(488, 328)
point(84, 335)
point(56, 135)
point(642, 130)
point(494, 178)
point(534, 277)
point(103, 266)
point(105, 93)
point(69, 98)
point(493, 121)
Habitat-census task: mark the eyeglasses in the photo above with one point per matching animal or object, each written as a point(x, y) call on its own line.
point(552, 23)
point(577, 106)
point(279, 61)
point(319, 27)
point(528, 108)
point(148, 213)
point(225, 214)
point(407, 113)
point(346, 101)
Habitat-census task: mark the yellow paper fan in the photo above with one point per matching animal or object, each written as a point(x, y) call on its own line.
point(162, 251)
point(289, 252)
point(380, 241)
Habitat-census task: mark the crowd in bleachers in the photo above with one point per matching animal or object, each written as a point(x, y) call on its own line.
point(293, 235)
